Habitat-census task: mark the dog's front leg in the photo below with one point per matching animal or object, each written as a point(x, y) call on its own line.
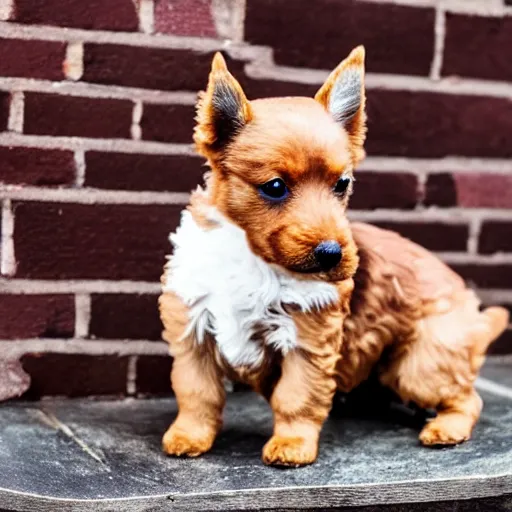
point(302, 398)
point(197, 384)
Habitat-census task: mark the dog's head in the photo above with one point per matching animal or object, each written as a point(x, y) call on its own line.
point(282, 168)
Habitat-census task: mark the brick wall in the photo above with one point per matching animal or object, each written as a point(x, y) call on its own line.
point(96, 114)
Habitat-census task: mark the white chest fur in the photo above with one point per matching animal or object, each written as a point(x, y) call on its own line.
point(234, 294)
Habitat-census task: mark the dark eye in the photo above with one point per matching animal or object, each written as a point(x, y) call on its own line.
point(342, 185)
point(275, 190)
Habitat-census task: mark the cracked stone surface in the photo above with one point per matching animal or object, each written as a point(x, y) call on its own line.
point(108, 454)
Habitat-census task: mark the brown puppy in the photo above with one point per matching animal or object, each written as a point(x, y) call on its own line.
point(270, 285)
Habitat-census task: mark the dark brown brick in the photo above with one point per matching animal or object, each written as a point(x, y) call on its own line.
point(34, 316)
point(157, 68)
point(423, 124)
point(441, 190)
point(256, 88)
point(475, 47)
point(471, 190)
point(185, 18)
point(130, 171)
point(168, 123)
point(92, 14)
point(5, 101)
point(124, 316)
point(495, 236)
point(432, 235)
point(154, 375)
point(75, 375)
point(384, 190)
point(486, 276)
point(51, 114)
point(503, 345)
point(66, 241)
point(398, 39)
point(34, 166)
point(32, 59)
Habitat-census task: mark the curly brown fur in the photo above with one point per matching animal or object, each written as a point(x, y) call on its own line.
point(399, 311)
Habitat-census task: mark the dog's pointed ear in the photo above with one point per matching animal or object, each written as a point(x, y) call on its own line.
point(222, 111)
point(343, 96)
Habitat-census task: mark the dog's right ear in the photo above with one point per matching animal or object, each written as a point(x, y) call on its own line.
point(222, 111)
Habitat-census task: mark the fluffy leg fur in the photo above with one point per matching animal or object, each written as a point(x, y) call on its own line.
point(197, 384)
point(439, 367)
point(302, 398)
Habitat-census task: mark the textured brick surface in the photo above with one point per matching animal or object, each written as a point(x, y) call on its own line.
point(168, 123)
point(398, 39)
point(124, 316)
point(51, 114)
point(75, 375)
point(130, 171)
point(422, 124)
point(184, 17)
point(384, 190)
point(91, 14)
point(495, 236)
point(477, 47)
point(66, 241)
point(4, 110)
point(156, 68)
point(432, 235)
point(497, 276)
point(32, 59)
point(441, 190)
point(503, 345)
point(33, 316)
point(154, 375)
point(34, 166)
point(471, 190)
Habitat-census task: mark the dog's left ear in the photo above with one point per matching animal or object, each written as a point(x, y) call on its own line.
point(222, 111)
point(343, 96)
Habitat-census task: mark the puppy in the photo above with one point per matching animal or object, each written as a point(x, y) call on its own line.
point(270, 285)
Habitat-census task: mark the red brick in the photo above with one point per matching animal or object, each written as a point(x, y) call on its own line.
point(124, 316)
point(92, 14)
point(398, 39)
point(432, 235)
point(185, 18)
point(34, 166)
point(168, 123)
point(34, 316)
point(156, 68)
point(384, 190)
point(73, 116)
point(66, 241)
point(154, 375)
point(486, 276)
point(471, 190)
point(423, 124)
point(179, 173)
point(441, 190)
point(503, 345)
point(5, 102)
point(32, 59)
point(495, 236)
point(475, 47)
point(261, 88)
point(75, 375)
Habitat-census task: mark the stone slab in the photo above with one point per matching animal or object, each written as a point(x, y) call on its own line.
point(78, 455)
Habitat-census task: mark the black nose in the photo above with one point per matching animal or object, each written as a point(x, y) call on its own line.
point(328, 254)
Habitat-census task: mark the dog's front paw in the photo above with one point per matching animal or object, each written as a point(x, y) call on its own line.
point(446, 430)
point(289, 451)
point(180, 443)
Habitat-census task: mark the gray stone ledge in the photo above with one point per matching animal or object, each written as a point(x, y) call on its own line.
point(86, 455)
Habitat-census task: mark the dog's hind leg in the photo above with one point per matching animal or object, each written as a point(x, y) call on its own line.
point(438, 367)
